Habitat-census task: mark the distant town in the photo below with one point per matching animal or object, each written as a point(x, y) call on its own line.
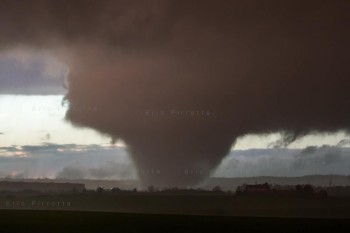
point(252, 197)
point(278, 186)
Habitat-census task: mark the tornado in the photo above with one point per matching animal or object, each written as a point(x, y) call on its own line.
point(180, 81)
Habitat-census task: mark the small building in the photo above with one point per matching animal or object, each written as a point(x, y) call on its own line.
point(254, 189)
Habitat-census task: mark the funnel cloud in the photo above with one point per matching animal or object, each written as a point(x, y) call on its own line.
point(179, 81)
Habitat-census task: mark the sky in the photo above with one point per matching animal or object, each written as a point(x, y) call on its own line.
point(32, 91)
point(174, 86)
point(43, 118)
point(36, 141)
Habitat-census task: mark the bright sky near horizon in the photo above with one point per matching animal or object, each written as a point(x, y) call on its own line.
point(32, 120)
point(37, 119)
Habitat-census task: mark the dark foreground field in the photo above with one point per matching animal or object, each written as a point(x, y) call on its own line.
point(76, 221)
point(211, 205)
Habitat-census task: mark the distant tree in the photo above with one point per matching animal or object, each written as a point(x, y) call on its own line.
point(99, 190)
point(115, 190)
point(239, 191)
point(217, 189)
point(298, 188)
point(308, 190)
point(323, 193)
point(151, 189)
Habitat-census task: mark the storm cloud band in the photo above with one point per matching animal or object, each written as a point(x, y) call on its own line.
point(257, 66)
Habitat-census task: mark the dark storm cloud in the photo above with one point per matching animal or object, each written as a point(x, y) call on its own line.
point(284, 141)
point(324, 160)
point(67, 160)
point(255, 66)
point(72, 173)
point(31, 76)
point(109, 170)
point(54, 147)
point(344, 142)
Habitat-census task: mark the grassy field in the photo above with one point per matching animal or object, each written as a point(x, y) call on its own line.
point(76, 221)
point(223, 205)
